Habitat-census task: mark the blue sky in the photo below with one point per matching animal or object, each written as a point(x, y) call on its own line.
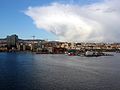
point(14, 21)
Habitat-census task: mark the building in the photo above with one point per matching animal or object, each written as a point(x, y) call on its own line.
point(3, 45)
point(12, 41)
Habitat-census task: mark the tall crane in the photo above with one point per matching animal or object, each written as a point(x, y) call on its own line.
point(33, 37)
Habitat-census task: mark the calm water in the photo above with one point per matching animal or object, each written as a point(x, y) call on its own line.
point(26, 71)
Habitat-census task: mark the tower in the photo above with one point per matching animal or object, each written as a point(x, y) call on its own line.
point(12, 41)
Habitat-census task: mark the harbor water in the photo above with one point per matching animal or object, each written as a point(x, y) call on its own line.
point(28, 71)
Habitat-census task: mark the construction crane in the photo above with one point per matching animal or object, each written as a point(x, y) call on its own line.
point(33, 37)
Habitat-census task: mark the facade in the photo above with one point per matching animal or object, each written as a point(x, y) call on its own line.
point(12, 41)
point(3, 45)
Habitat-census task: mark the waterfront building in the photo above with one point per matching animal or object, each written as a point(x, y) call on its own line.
point(3, 45)
point(21, 46)
point(37, 45)
point(12, 41)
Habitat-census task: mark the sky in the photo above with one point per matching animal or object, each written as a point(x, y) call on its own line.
point(65, 20)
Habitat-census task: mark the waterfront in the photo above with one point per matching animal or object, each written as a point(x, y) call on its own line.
point(28, 71)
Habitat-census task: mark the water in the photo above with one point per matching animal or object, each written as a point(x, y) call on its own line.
point(27, 71)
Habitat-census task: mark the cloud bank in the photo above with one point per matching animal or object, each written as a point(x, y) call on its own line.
point(97, 22)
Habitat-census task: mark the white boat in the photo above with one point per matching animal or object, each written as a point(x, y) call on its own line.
point(93, 54)
point(89, 53)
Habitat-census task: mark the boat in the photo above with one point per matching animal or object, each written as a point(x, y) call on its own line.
point(93, 54)
point(71, 54)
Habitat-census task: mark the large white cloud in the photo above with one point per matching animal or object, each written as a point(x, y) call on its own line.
point(97, 22)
